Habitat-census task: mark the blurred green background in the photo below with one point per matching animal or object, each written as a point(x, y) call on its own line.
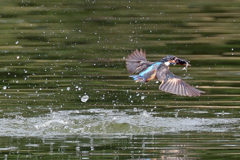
point(55, 53)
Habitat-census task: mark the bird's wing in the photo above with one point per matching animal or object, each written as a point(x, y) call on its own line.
point(173, 84)
point(137, 61)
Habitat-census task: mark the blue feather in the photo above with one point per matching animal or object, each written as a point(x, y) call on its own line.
point(141, 77)
point(150, 68)
point(135, 77)
point(138, 78)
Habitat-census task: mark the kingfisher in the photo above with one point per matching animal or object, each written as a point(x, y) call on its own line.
point(137, 62)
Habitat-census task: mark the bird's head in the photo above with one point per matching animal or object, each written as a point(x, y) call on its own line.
point(169, 60)
point(172, 60)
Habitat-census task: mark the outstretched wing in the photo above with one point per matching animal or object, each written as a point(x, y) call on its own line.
point(173, 84)
point(137, 61)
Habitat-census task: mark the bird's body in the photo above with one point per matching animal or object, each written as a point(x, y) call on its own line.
point(137, 63)
point(148, 74)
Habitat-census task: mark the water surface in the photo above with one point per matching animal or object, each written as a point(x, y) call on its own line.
point(66, 93)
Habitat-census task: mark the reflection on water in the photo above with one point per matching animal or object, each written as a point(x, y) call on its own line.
point(66, 91)
point(171, 146)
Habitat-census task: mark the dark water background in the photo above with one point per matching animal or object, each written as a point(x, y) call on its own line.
point(57, 54)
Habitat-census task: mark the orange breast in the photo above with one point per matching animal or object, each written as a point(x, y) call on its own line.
point(152, 76)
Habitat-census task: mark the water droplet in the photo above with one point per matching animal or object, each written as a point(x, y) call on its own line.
point(4, 87)
point(84, 98)
point(142, 97)
point(16, 42)
point(68, 88)
point(145, 114)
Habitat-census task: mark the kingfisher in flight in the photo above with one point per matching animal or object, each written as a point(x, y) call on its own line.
point(137, 62)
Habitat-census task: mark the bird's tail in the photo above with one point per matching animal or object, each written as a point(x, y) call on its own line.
point(138, 78)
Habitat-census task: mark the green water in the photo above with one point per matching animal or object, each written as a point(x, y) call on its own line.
point(55, 53)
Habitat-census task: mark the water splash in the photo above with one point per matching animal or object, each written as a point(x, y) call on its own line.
point(101, 121)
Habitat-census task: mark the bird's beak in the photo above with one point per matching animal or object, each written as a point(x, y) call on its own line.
point(183, 62)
